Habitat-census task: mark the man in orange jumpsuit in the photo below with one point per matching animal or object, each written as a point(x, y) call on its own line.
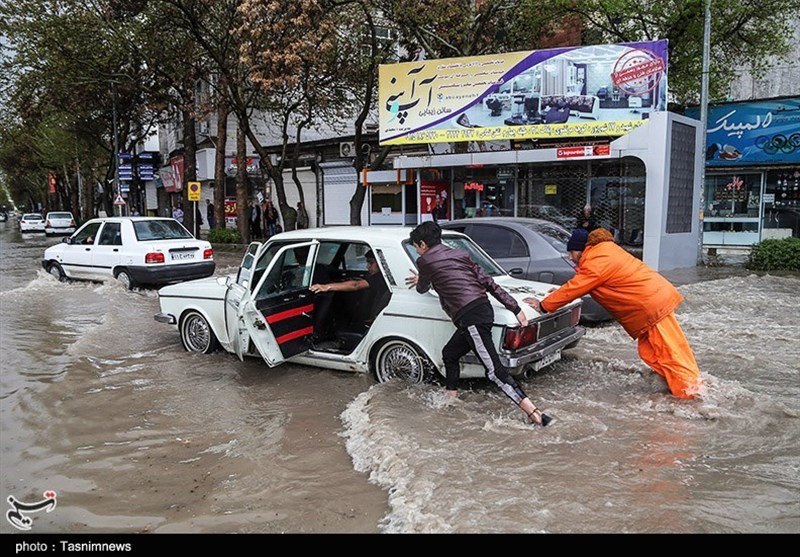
point(638, 297)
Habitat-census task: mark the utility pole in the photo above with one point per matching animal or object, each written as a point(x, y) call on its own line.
point(116, 145)
point(704, 120)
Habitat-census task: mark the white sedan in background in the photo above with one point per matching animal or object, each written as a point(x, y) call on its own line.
point(59, 222)
point(133, 250)
point(267, 310)
point(31, 222)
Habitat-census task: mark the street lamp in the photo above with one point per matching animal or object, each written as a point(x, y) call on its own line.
point(704, 119)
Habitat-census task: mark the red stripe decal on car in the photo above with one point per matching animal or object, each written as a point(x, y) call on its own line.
point(295, 334)
point(274, 318)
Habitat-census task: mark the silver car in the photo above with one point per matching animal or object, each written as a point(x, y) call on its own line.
point(531, 249)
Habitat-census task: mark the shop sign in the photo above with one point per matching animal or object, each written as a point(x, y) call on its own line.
point(473, 186)
point(752, 132)
point(550, 189)
point(232, 166)
point(584, 151)
point(515, 96)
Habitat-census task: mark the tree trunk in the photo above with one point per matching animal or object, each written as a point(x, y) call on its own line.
point(189, 171)
point(219, 161)
point(242, 213)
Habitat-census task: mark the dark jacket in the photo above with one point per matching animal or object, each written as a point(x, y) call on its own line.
point(458, 280)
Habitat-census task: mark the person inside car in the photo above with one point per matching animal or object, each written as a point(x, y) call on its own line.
point(375, 295)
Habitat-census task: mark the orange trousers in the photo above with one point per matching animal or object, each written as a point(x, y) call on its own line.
point(665, 349)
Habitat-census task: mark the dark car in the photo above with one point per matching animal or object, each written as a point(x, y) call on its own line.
point(532, 249)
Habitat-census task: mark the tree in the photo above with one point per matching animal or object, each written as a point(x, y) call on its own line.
point(742, 34)
point(70, 62)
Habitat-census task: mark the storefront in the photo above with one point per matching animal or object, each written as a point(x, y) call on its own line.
point(752, 174)
point(643, 187)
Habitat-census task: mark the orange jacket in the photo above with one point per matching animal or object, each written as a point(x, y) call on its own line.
point(636, 295)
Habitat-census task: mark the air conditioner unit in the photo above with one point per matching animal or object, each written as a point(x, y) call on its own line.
point(347, 149)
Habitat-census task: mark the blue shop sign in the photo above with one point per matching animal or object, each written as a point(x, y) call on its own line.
point(763, 132)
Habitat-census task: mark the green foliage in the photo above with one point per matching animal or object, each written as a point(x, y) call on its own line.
point(775, 255)
point(224, 236)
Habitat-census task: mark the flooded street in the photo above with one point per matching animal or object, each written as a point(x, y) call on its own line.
point(102, 405)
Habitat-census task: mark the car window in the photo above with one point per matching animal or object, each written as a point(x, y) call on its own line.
point(247, 264)
point(166, 229)
point(500, 243)
point(33, 216)
point(354, 259)
point(327, 252)
point(292, 271)
point(111, 235)
point(556, 237)
point(87, 234)
point(461, 242)
point(59, 215)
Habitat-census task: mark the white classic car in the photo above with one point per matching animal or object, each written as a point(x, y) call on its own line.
point(267, 309)
point(133, 250)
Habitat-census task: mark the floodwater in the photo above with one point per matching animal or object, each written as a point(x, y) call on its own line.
point(101, 405)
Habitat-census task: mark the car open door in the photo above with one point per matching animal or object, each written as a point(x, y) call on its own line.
point(277, 314)
point(246, 268)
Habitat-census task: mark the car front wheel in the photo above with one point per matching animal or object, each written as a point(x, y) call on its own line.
point(125, 278)
point(196, 334)
point(56, 271)
point(400, 359)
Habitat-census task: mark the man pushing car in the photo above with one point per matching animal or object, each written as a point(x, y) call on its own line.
point(640, 299)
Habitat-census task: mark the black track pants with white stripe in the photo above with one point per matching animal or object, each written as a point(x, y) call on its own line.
point(474, 332)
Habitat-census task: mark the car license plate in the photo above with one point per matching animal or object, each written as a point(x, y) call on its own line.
point(547, 360)
point(180, 256)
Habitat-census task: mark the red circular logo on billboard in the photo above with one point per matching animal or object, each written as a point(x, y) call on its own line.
point(637, 72)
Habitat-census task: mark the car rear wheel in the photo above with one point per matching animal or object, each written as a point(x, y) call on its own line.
point(56, 271)
point(400, 359)
point(125, 278)
point(196, 334)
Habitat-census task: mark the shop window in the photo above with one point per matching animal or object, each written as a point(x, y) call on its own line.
point(731, 211)
point(384, 197)
point(781, 216)
point(614, 191)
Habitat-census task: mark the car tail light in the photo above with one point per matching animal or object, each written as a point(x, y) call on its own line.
point(155, 257)
point(208, 254)
point(575, 316)
point(521, 337)
point(47, 223)
point(72, 222)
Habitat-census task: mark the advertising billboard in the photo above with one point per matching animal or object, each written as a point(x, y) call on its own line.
point(598, 90)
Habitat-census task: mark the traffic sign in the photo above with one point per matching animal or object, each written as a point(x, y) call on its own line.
point(194, 191)
point(119, 200)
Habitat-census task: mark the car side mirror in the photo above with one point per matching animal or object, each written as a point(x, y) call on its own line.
point(67, 240)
